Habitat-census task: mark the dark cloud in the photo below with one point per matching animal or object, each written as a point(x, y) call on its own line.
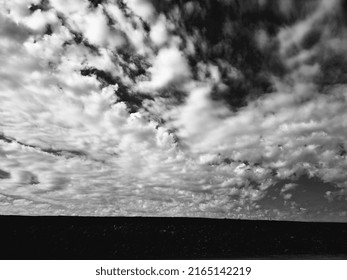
point(55, 152)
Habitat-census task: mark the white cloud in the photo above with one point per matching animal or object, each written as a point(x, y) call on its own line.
point(39, 20)
point(169, 66)
point(18, 8)
point(141, 8)
point(95, 27)
point(289, 187)
point(69, 7)
point(131, 27)
point(159, 31)
point(199, 117)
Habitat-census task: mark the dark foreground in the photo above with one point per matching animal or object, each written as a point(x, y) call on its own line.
point(168, 238)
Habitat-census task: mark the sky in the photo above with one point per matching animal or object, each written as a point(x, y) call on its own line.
point(210, 108)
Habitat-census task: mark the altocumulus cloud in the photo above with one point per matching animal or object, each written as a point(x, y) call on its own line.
point(208, 108)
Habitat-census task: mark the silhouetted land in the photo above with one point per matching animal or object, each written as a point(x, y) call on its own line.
point(168, 238)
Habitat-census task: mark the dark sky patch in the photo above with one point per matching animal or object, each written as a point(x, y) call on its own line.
point(333, 70)
point(124, 93)
point(95, 3)
point(227, 32)
point(105, 78)
point(308, 195)
point(43, 6)
point(4, 174)
point(48, 30)
point(128, 57)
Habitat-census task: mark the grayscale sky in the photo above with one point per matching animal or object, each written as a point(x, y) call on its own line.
point(211, 108)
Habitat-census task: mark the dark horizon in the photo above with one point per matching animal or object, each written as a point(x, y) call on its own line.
point(169, 238)
point(171, 217)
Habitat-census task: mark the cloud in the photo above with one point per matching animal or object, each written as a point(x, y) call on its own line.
point(159, 31)
point(169, 67)
point(132, 110)
point(96, 29)
point(69, 8)
point(288, 187)
point(143, 9)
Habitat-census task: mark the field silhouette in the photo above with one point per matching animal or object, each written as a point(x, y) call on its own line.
point(26, 237)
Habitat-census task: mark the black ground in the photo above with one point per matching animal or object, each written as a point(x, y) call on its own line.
point(168, 238)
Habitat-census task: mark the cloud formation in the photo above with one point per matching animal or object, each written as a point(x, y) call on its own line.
point(141, 108)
